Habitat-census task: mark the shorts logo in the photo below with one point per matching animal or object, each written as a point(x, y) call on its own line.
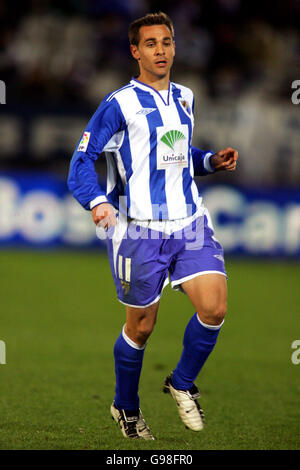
point(220, 257)
point(84, 142)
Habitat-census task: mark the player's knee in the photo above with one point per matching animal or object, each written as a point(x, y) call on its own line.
point(140, 327)
point(144, 331)
point(214, 313)
point(140, 333)
point(219, 315)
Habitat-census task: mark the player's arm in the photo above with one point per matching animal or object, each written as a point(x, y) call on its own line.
point(206, 162)
point(202, 162)
point(83, 178)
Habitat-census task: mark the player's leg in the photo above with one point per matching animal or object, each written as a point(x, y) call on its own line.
point(199, 271)
point(140, 272)
point(129, 353)
point(208, 294)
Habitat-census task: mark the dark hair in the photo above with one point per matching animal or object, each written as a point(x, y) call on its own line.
point(150, 19)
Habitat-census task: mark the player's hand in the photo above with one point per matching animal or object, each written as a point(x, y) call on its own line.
point(104, 215)
point(225, 159)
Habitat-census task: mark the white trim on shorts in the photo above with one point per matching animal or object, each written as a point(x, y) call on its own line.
point(176, 283)
point(166, 282)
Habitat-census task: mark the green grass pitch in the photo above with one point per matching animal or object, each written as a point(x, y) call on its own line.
point(60, 318)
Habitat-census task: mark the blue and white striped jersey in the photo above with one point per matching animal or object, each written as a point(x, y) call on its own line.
point(146, 136)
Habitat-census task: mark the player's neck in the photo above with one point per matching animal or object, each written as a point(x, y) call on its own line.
point(156, 83)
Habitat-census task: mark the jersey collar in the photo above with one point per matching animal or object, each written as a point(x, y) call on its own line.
point(151, 90)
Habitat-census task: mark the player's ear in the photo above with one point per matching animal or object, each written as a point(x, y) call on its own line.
point(135, 52)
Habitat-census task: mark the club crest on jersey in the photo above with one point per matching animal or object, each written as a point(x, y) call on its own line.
point(186, 106)
point(145, 111)
point(84, 142)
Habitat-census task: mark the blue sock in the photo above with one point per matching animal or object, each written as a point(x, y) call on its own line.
point(128, 366)
point(198, 342)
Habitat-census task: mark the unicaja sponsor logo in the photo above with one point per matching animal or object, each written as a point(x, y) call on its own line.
point(174, 158)
point(170, 138)
point(2, 92)
point(177, 157)
point(2, 352)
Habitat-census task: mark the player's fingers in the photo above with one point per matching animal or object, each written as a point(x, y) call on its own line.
point(222, 153)
point(103, 223)
point(102, 216)
point(235, 155)
point(107, 222)
point(96, 220)
point(111, 221)
point(114, 221)
point(228, 153)
point(224, 165)
point(231, 167)
point(230, 162)
point(232, 159)
point(98, 217)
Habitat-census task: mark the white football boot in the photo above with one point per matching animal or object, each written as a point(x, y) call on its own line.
point(189, 409)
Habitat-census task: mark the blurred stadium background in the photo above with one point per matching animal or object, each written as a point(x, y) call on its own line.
point(58, 60)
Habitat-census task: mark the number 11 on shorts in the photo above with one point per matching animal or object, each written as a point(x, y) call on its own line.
point(127, 273)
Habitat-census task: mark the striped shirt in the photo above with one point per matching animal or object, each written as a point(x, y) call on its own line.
point(146, 136)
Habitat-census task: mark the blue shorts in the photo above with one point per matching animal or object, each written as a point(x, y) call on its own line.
point(143, 261)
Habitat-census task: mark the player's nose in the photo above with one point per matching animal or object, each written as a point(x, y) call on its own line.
point(159, 49)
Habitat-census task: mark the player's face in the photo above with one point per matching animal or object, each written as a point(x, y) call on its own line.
point(155, 51)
